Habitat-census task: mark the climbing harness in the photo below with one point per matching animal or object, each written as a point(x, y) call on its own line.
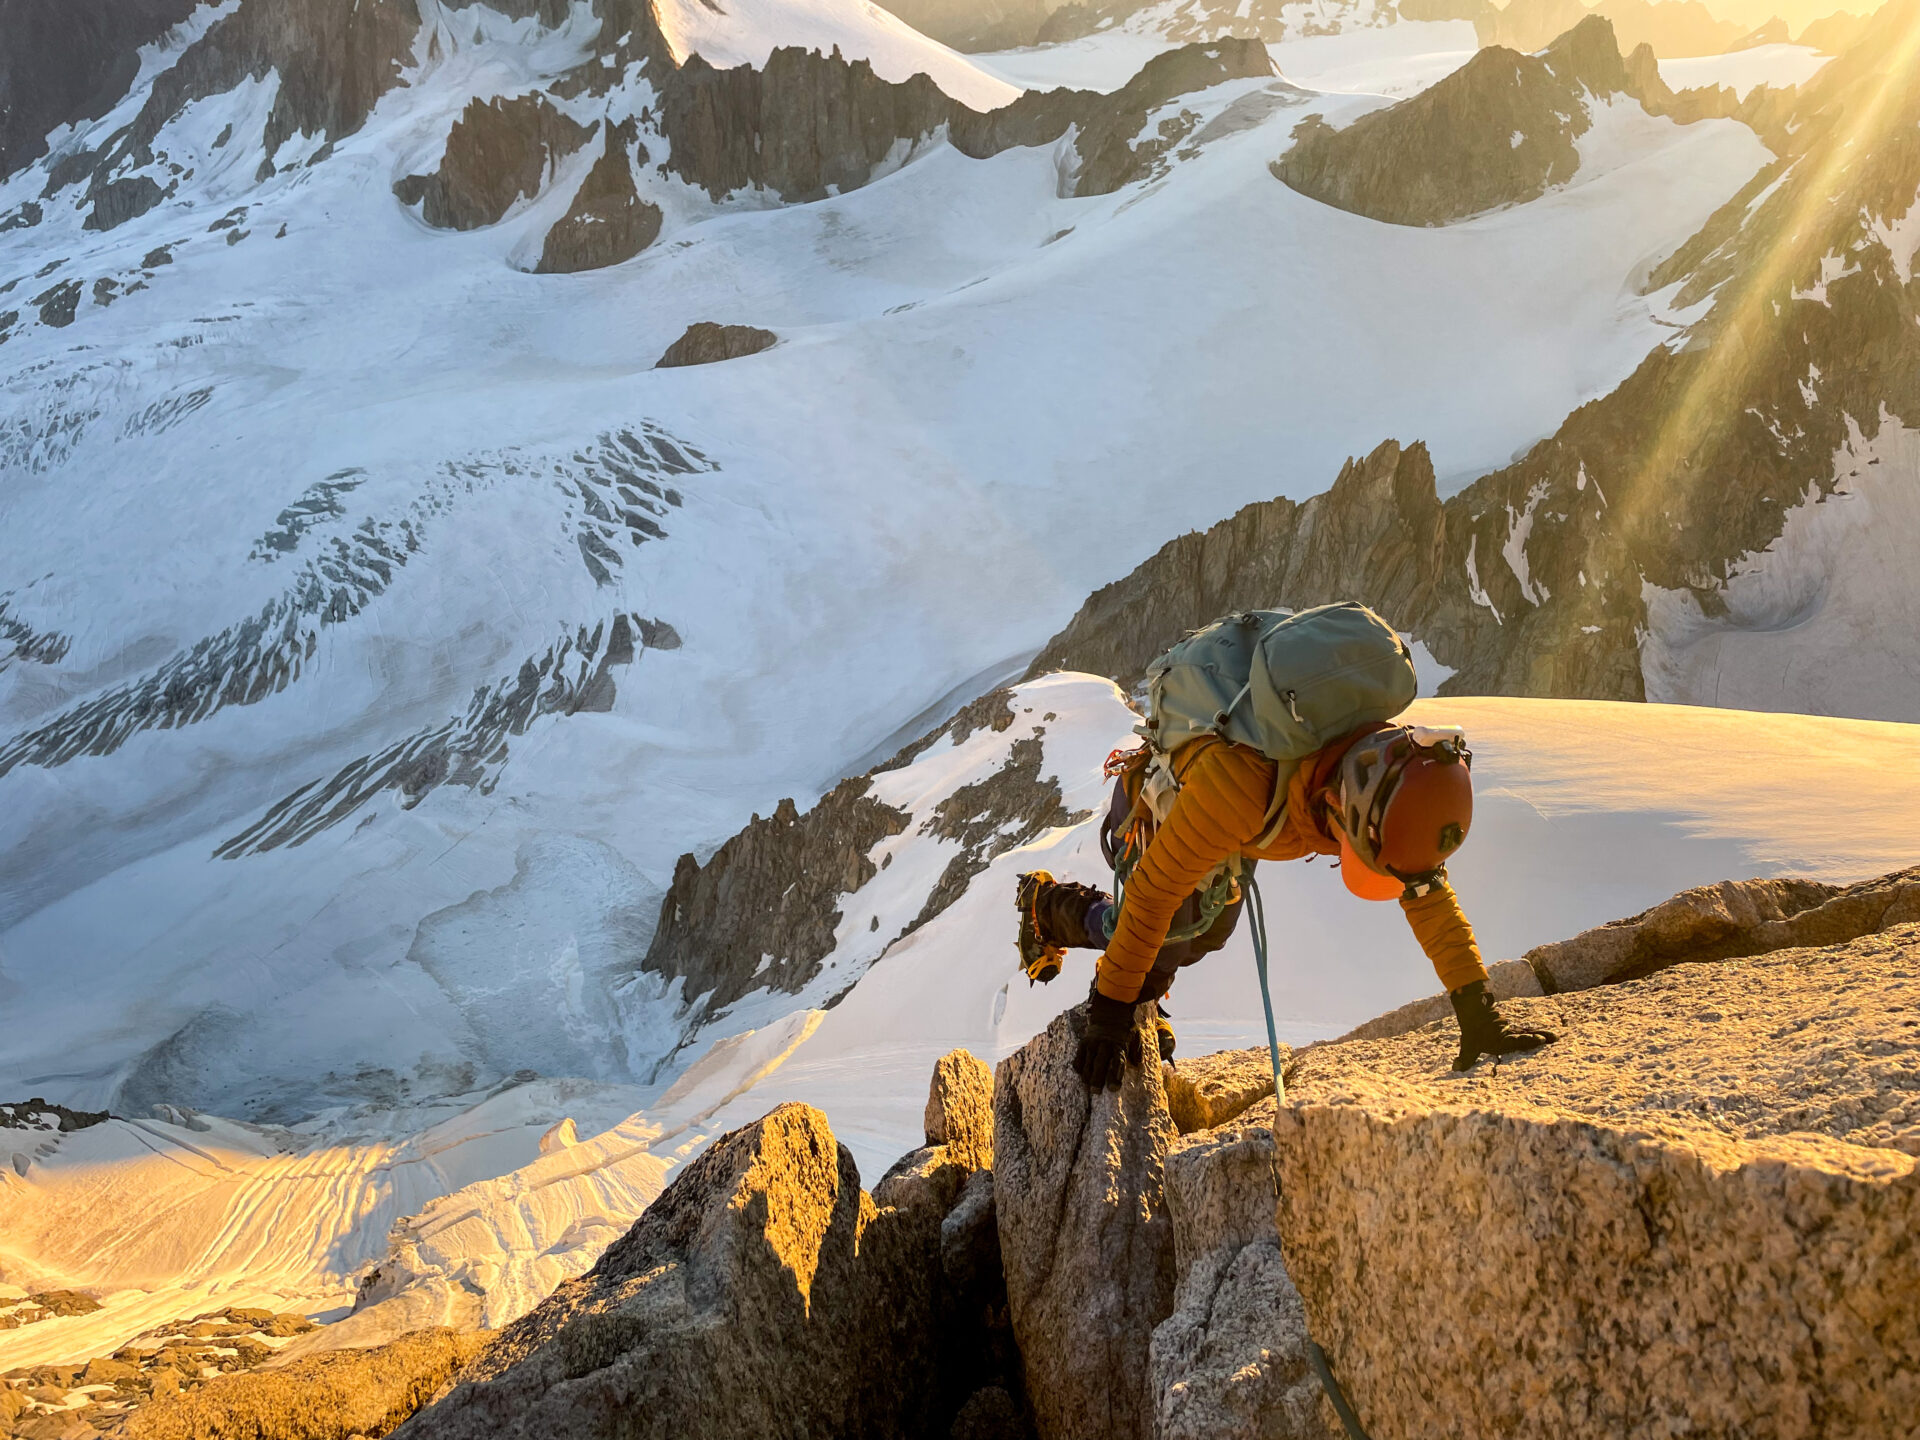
point(1148, 786)
point(1317, 1357)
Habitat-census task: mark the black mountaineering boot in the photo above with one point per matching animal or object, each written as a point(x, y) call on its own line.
point(1484, 1031)
point(1163, 1027)
point(1053, 918)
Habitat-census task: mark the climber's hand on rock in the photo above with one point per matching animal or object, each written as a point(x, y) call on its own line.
point(1485, 1031)
point(1107, 1043)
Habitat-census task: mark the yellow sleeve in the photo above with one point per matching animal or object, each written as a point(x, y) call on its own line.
point(1219, 811)
point(1441, 927)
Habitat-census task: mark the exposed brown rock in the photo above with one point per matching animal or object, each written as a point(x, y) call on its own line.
point(762, 1294)
point(706, 343)
point(328, 1397)
point(1719, 922)
point(1084, 1236)
point(1506, 980)
point(1694, 1210)
point(960, 1109)
point(1380, 536)
point(497, 152)
point(608, 222)
point(1498, 131)
point(773, 890)
point(798, 125)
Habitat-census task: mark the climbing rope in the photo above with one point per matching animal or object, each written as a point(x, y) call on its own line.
point(1316, 1357)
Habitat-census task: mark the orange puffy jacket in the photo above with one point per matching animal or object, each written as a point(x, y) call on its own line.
point(1221, 810)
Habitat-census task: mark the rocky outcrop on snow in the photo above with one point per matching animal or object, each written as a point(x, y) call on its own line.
point(708, 343)
point(1716, 1163)
point(806, 122)
point(1585, 568)
point(1498, 131)
point(497, 152)
point(799, 124)
point(37, 1114)
point(1084, 1235)
point(607, 222)
point(763, 1293)
point(1380, 536)
point(765, 911)
point(333, 59)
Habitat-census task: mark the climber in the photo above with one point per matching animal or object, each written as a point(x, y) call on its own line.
point(1187, 822)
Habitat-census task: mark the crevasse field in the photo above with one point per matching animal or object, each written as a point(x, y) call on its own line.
point(330, 485)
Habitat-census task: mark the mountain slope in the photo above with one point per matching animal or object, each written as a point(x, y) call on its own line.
point(1723, 527)
point(368, 596)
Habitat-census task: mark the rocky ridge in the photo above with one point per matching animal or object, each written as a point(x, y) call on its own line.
point(800, 126)
point(766, 1293)
point(1579, 570)
point(764, 911)
point(1500, 130)
point(1716, 1160)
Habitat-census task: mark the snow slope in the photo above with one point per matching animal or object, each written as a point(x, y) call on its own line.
point(745, 32)
point(1806, 623)
point(1775, 65)
point(283, 509)
point(1586, 811)
point(1394, 60)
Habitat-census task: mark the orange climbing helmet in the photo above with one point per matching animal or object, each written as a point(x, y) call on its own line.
point(1405, 804)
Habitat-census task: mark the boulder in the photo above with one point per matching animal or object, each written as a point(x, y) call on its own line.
point(762, 1294)
point(1085, 1241)
point(960, 1109)
point(1231, 1362)
point(1691, 1215)
point(1210, 1090)
point(329, 1397)
point(706, 343)
point(1733, 918)
point(1704, 924)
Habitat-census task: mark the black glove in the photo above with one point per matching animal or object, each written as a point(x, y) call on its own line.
point(1484, 1031)
point(1107, 1043)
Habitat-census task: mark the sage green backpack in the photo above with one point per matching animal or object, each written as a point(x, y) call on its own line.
point(1282, 683)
